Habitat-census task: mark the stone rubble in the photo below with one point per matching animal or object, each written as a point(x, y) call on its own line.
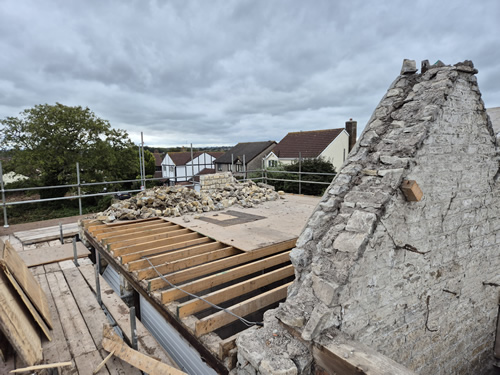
point(177, 201)
point(409, 279)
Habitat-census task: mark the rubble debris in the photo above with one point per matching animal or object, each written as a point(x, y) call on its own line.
point(177, 201)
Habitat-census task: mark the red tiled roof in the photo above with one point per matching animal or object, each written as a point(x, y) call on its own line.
point(158, 158)
point(310, 144)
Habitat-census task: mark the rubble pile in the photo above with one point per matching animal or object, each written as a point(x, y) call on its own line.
point(177, 201)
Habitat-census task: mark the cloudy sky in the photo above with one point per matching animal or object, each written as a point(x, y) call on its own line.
point(221, 72)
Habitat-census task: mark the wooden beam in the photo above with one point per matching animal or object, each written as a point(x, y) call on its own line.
point(233, 291)
point(17, 325)
point(119, 231)
point(152, 244)
point(147, 237)
point(224, 277)
point(127, 258)
point(174, 255)
point(10, 259)
point(226, 345)
point(242, 309)
point(112, 343)
point(205, 269)
point(182, 264)
point(353, 358)
point(102, 227)
point(131, 235)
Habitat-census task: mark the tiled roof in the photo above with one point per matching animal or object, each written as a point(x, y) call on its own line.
point(158, 158)
point(249, 149)
point(182, 158)
point(310, 144)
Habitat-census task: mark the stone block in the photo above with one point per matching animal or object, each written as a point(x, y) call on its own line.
point(362, 222)
point(349, 242)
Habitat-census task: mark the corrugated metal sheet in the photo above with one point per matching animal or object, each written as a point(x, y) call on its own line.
point(113, 279)
point(179, 349)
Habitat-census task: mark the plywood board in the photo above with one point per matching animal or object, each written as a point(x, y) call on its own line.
point(52, 254)
point(17, 325)
point(47, 234)
point(9, 259)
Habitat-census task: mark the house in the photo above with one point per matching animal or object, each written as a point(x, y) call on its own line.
point(158, 161)
point(180, 166)
point(330, 144)
point(243, 157)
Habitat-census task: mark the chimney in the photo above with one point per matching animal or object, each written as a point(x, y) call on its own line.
point(351, 128)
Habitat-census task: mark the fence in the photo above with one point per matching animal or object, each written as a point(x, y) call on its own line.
point(264, 173)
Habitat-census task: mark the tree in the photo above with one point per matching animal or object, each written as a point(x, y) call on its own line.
point(46, 141)
point(307, 165)
point(149, 163)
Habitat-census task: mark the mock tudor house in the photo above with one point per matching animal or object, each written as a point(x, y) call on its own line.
point(179, 167)
point(244, 157)
point(332, 145)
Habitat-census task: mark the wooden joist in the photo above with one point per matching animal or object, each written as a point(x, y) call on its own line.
point(174, 255)
point(94, 228)
point(151, 244)
point(186, 263)
point(117, 235)
point(11, 261)
point(219, 265)
point(222, 277)
point(146, 236)
point(233, 291)
point(222, 318)
point(127, 258)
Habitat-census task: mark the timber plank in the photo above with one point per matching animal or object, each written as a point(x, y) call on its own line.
point(187, 262)
point(113, 343)
point(223, 277)
point(146, 237)
point(174, 255)
point(53, 254)
point(75, 329)
point(46, 234)
point(120, 313)
point(233, 291)
point(11, 260)
point(151, 244)
point(127, 258)
point(206, 269)
point(56, 350)
point(17, 325)
point(92, 313)
point(222, 318)
point(87, 362)
point(124, 231)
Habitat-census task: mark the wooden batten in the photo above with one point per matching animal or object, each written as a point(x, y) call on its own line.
point(132, 237)
point(222, 277)
point(125, 233)
point(222, 318)
point(127, 258)
point(233, 291)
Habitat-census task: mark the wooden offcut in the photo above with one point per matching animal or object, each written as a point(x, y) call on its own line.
point(42, 367)
point(411, 190)
point(112, 343)
point(11, 263)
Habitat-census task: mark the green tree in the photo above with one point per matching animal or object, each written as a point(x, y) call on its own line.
point(149, 163)
point(46, 141)
point(307, 165)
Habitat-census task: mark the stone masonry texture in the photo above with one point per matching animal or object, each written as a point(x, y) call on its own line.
point(411, 280)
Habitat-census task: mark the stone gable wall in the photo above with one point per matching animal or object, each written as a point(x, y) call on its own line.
point(215, 180)
point(409, 279)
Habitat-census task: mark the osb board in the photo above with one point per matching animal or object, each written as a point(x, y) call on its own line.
point(17, 326)
point(10, 260)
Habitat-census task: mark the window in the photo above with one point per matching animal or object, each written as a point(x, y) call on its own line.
point(272, 163)
point(344, 154)
point(239, 168)
point(171, 169)
point(219, 167)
